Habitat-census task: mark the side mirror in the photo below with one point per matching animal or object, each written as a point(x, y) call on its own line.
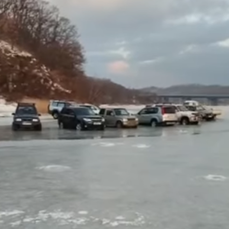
point(13, 113)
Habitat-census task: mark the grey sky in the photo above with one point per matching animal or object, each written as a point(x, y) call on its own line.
point(147, 42)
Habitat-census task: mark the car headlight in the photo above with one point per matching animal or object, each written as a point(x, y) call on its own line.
point(124, 120)
point(18, 119)
point(87, 119)
point(35, 120)
point(103, 119)
point(136, 119)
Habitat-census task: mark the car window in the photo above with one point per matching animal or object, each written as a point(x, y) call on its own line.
point(153, 110)
point(26, 110)
point(200, 108)
point(102, 112)
point(54, 104)
point(191, 108)
point(109, 112)
point(121, 112)
point(61, 104)
point(83, 111)
point(182, 108)
point(142, 112)
point(169, 110)
point(64, 111)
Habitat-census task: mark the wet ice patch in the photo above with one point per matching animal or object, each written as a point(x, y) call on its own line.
point(107, 144)
point(141, 146)
point(54, 168)
point(60, 218)
point(119, 218)
point(83, 212)
point(215, 177)
point(183, 131)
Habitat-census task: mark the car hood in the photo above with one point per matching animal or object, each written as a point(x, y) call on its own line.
point(90, 116)
point(26, 116)
point(126, 116)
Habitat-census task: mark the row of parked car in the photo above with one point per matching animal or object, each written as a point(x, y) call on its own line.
point(86, 116)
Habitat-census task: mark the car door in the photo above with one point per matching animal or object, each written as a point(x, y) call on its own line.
point(142, 116)
point(72, 118)
point(62, 117)
point(109, 117)
point(151, 113)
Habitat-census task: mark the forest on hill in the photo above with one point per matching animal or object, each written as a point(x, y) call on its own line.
point(41, 57)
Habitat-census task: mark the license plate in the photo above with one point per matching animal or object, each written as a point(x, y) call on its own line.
point(97, 123)
point(27, 123)
point(170, 122)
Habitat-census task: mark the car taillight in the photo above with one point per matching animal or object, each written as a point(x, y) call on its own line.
point(163, 110)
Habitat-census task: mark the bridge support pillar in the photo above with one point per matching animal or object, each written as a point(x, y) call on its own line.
point(213, 101)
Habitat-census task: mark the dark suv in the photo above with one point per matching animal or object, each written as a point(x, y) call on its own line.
point(80, 118)
point(26, 117)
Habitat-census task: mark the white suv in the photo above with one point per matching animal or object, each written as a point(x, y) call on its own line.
point(186, 116)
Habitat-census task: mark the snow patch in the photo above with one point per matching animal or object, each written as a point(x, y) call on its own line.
point(141, 146)
point(54, 168)
point(9, 50)
point(60, 218)
point(215, 177)
point(83, 212)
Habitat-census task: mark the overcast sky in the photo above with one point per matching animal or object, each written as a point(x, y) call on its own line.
point(142, 43)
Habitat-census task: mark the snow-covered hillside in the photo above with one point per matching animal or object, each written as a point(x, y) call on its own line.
point(25, 73)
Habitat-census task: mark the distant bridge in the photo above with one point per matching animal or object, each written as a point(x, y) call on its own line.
point(212, 98)
point(195, 96)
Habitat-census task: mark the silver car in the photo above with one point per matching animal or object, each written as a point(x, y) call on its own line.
point(118, 117)
point(150, 116)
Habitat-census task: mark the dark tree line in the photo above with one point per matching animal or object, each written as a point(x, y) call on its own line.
point(38, 27)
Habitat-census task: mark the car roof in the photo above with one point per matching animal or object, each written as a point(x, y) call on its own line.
point(26, 104)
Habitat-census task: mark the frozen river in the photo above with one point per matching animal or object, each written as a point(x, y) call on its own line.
point(167, 178)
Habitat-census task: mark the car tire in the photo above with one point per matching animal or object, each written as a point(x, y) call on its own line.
point(119, 124)
point(64, 126)
point(15, 128)
point(153, 123)
point(55, 115)
point(102, 127)
point(184, 121)
point(38, 128)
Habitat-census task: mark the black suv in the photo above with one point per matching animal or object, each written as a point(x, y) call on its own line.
point(26, 117)
point(80, 118)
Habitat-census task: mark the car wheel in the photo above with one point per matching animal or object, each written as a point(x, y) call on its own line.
point(153, 123)
point(55, 115)
point(119, 124)
point(78, 126)
point(15, 127)
point(184, 121)
point(102, 127)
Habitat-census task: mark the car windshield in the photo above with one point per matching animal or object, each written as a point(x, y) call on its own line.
point(200, 108)
point(121, 112)
point(83, 111)
point(26, 110)
point(182, 108)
